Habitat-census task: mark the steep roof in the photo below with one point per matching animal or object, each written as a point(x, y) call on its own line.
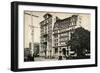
point(63, 23)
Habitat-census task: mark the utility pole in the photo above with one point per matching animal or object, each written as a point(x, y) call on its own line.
point(32, 32)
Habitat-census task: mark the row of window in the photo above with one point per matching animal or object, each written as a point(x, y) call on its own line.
point(64, 39)
point(56, 40)
point(56, 36)
point(61, 43)
point(55, 31)
point(56, 44)
point(48, 21)
point(43, 39)
point(64, 34)
point(44, 29)
point(67, 30)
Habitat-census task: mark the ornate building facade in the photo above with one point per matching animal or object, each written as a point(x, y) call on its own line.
point(54, 36)
point(62, 30)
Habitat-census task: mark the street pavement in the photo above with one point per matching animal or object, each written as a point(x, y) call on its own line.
point(43, 59)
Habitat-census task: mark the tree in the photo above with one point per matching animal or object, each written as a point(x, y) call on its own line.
point(80, 42)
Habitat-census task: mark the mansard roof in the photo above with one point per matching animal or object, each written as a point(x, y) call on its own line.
point(63, 23)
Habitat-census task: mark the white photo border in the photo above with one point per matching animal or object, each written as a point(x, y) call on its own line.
point(22, 64)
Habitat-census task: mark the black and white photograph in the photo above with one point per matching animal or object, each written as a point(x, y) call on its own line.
point(56, 36)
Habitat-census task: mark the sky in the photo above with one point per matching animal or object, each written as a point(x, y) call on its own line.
point(36, 20)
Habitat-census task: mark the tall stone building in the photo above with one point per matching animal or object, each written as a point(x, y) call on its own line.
point(54, 35)
point(62, 30)
point(46, 36)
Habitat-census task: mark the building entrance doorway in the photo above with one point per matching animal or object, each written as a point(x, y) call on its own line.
point(64, 52)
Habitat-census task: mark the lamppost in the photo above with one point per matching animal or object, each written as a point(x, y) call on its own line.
point(32, 32)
